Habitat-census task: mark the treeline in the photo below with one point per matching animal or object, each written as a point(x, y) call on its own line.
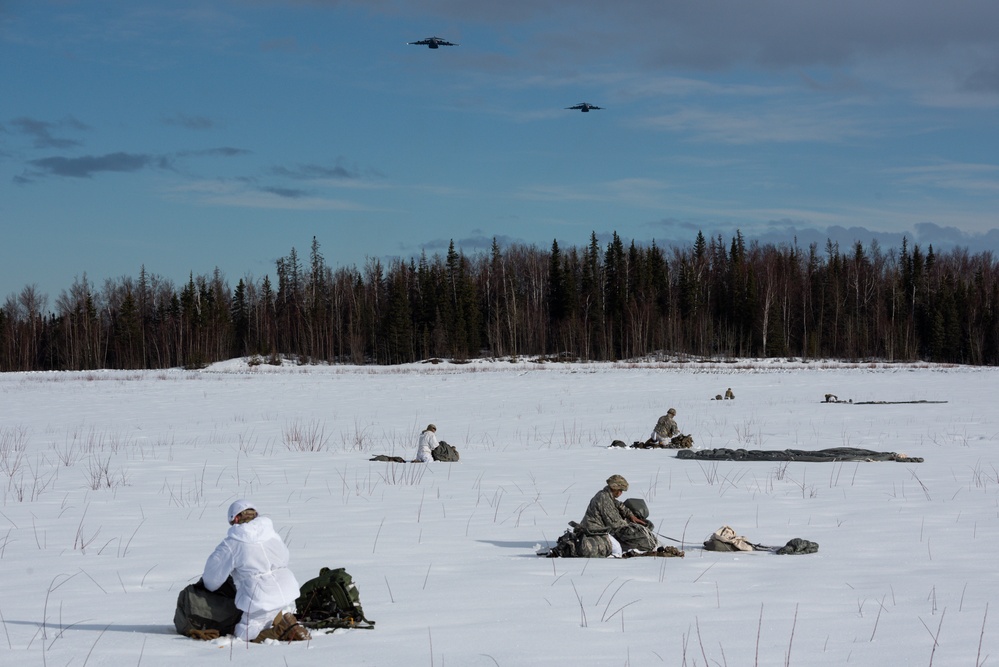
point(595, 302)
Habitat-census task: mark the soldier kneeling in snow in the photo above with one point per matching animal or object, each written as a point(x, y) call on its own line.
point(257, 559)
point(609, 528)
point(665, 429)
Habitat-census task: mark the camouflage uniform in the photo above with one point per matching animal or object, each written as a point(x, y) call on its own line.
point(594, 546)
point(665, 428)
point(605, 514)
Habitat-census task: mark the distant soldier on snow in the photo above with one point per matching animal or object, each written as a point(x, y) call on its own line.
point(729, 394)
point(427, 443)
point(665, 428)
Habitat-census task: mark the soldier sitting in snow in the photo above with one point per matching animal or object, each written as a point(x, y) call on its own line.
point(609, 527)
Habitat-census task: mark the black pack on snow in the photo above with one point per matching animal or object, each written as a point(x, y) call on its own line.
point(331, 600)
point(444, 452)
point(565, 547)
point(798, 546)
point(638, 507)
point(577, 544)
point(201, 610)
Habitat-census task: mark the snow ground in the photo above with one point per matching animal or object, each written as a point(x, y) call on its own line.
point(115, 487)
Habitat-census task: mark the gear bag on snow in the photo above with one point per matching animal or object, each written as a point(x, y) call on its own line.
point(798, 546)
point(201, 611)
point(331, 600)
point(387, 459)
point(638, 507)
point(444, 452)
point(636, 537)
point(725, 539)
point(680, 441)
point(577, 544)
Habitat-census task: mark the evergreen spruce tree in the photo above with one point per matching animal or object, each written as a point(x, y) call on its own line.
point(240, 320)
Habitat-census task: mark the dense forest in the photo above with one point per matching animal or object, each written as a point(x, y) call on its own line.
point(712, 298)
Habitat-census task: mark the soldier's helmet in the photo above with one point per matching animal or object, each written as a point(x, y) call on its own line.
point(237, 507)
point(617, 483)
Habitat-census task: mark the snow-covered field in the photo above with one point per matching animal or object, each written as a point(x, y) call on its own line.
point(115, 486)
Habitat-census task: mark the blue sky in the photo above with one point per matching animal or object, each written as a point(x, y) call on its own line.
point(186, 136)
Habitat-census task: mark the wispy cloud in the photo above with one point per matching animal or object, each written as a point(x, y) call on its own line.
point(309, 172)
point(290, 193)
point(241, 195)
point(983, 79)
point(475, 242)
point(710, 35)
point(42, 132)
point(189, 122)
point(478, 241)
point(88, 165)
point(806, 230)
point(221, 151)
point(640, 192)
point(971, 178)
point(760, 126)
point(675, 86)
point(559, 193)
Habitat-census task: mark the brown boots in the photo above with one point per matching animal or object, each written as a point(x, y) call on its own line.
point(285, 628)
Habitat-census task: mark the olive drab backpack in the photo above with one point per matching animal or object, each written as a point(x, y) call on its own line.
point(201, 612)
point(331, 600)
point(681, 442)
point(444, 452)
point(726, 539)
point(577, 544)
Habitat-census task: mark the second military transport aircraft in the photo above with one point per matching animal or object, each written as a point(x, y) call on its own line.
point(433, 42)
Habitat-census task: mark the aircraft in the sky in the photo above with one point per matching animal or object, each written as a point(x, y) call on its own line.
point(584, 107)
point(433, 42)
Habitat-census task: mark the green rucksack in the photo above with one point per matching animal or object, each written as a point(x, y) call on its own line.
point(681, 442)
point(201, 609)
point(444, 452)
point(331, 600)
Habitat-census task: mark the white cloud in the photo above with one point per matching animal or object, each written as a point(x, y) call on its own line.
point(747, 126)
point(237, 194)
point(970, 178)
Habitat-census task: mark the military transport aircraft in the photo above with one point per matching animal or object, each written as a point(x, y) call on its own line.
point(433, 42)
point(584, 107)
